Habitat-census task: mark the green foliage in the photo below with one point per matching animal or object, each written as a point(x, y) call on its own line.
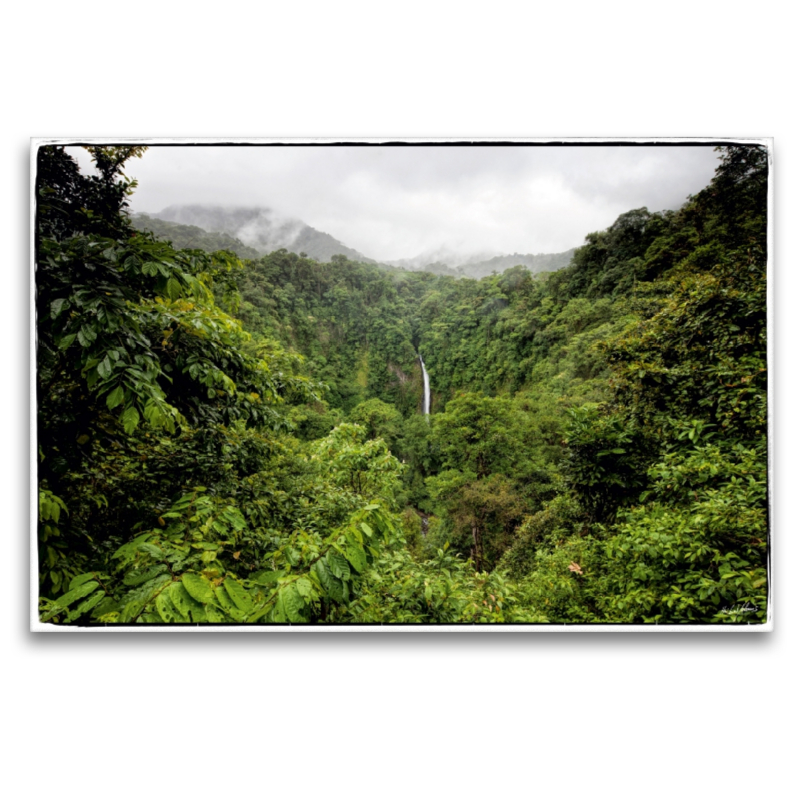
point(380, 420)
point(421, 457)
point(559, 520)
point(444, 589)
point(696, 552)
point(362, 467)
point(564, 583)
point(186, 571)
point(131, 348)
point(703, 355)
point(314, 420)
point(348, 319)
point(607, 456)
point(190, 237)
point(414, 531)
point(483, 513)
point(473, 433)
point(54, 561)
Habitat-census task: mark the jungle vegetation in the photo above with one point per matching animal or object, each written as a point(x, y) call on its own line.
point(234, 439)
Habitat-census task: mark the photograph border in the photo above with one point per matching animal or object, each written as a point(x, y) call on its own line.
point(39, 627)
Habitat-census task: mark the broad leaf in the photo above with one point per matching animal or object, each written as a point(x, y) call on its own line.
point(198, 587)
point(130, 419)
point(338, 565)
point(240, 596)
point(167, 610)
point(70, 597)
point(185, 603)
point(86, 606)
point(289, 606)
point(356, 556)
point(115, 397)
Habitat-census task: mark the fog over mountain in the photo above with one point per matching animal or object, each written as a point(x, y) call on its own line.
point(261, 228)
point(442, 255)
point(454, 210)
point(254, 231)
point(397, 202)
point(479, 265)
point(541, 262)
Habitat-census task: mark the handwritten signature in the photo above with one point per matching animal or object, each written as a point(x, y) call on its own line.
point(742, 608)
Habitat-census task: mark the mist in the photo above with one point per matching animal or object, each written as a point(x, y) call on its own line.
point(395, 202)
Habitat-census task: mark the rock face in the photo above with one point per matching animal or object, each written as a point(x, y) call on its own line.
point(262, 229)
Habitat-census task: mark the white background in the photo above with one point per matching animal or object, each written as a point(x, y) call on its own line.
point(127, 715)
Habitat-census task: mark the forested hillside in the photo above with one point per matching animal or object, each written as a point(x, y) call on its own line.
point(191, 237)
point(243, 441)
point(261, 229)
point(481, 267)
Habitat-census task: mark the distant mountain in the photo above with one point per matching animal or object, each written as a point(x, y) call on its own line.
point(448, 262)
point(251, 232)
point(262, 229)
point(542, 262)
point(192, 237)
point(440, 257)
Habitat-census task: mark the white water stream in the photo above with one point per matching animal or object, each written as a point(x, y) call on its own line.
point(426, 407)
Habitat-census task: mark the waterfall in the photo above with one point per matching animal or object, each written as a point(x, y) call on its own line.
point(426, 407)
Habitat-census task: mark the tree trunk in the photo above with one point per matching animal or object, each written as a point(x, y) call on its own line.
point(476, 549)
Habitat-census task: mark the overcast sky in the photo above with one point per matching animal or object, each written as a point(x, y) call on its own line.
point(396, 202)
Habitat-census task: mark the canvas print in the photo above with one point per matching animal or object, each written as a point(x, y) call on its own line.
point(396, 385)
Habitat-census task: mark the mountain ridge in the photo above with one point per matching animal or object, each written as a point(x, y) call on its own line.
point(262, 229)
point(253, 231)
point(481, 267)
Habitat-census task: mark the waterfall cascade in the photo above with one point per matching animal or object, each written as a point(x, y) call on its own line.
point(426, 407)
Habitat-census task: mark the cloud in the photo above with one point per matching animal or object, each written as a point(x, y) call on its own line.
point(397, 201)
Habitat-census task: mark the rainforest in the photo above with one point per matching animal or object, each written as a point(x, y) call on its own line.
point(228, 437)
